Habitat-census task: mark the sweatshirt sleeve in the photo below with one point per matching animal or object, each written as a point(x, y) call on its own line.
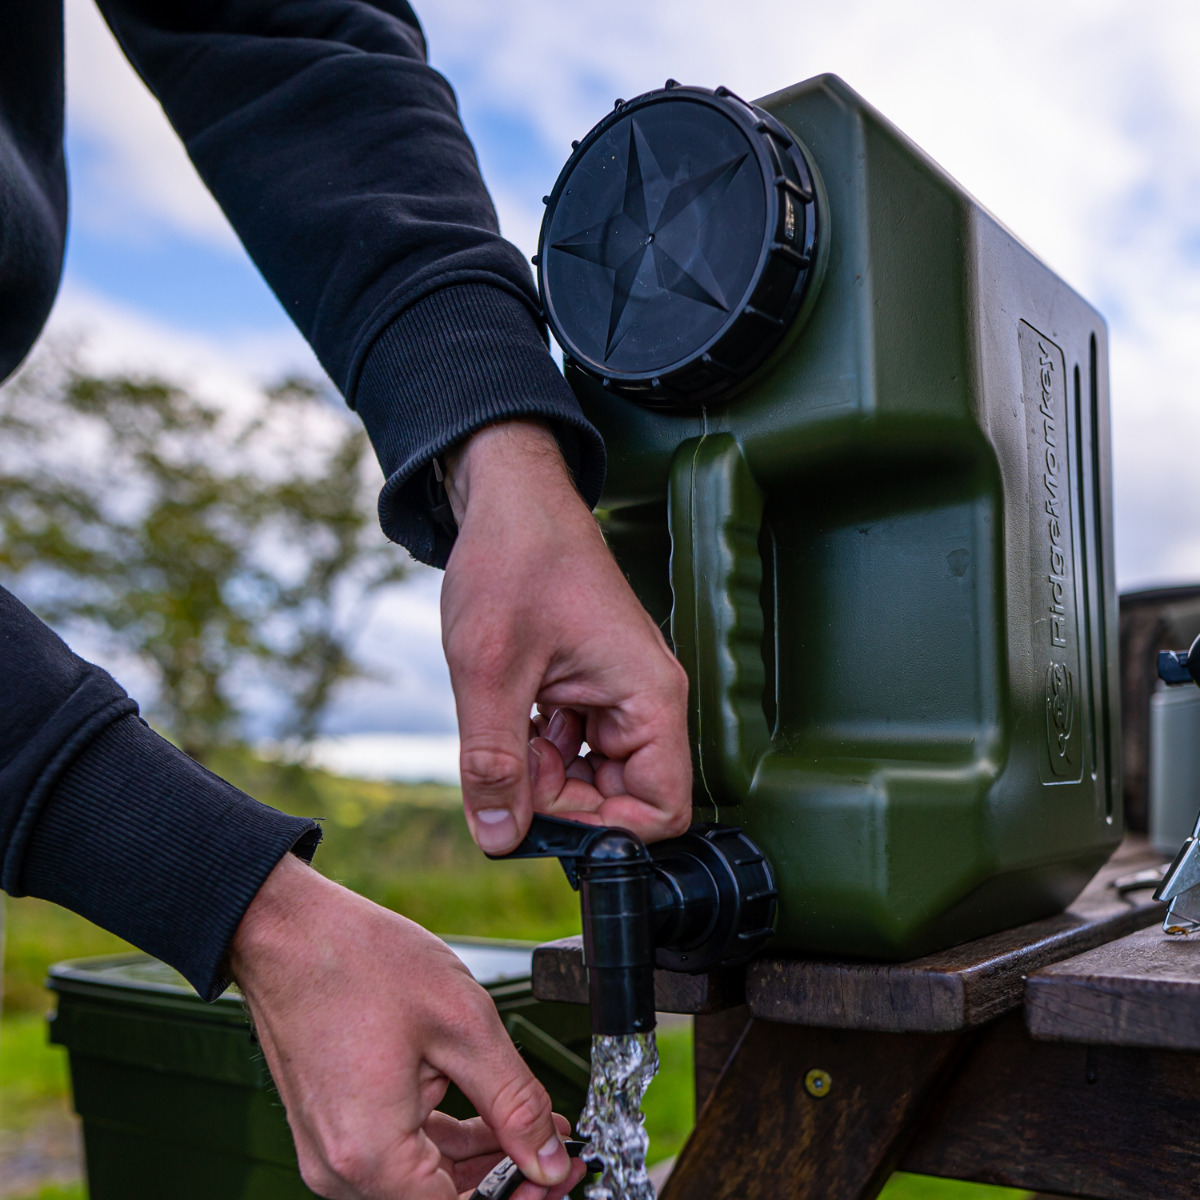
point(103, 816)
point(338, 155)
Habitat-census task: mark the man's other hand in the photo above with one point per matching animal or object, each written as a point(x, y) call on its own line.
point(364, 1019)
point(535, 611)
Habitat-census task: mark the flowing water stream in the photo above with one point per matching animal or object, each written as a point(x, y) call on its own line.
point(622, 1067)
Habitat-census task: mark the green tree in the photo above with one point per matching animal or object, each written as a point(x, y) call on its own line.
point(221, 545)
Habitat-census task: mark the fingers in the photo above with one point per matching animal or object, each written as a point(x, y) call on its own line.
point(565, 728)
point(648, 792)
point(609, 777)
point(531, 1191)
point(494, 759)
point(556, 788)
point(566, 731)
point(494, 1077)
point(472, 1138)
point(555, 751)
point(412, 1164)
point(646, 778)
point(596, 787)
point(651, 824)
point(470, 1150)
point(470, 1173)
point(460, 1140)
point(547, 772)
point(581, 769)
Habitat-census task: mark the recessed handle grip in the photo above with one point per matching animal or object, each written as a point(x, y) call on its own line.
point(716, 514)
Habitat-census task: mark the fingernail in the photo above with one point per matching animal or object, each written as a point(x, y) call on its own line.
point(495, 830)
point(557, 724)
point(554, 1160)
point(535, 761)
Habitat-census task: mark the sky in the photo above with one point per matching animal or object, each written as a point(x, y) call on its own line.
point(1077, 124)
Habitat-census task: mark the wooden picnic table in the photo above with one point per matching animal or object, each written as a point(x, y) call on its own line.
point(1062, 1057)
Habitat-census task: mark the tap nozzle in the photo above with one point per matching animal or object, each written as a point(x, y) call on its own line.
point(615, 885)
point(703, 900)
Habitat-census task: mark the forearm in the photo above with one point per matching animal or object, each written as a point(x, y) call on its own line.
point(103, 816)
point(499, 455)
point(148, 844)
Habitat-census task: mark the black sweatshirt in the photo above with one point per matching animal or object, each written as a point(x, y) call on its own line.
point(338, 156)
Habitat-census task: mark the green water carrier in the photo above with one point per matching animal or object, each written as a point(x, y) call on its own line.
point(858, 442)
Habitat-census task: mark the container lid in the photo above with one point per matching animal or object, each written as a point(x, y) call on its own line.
point(677, 245)
point(490, 962)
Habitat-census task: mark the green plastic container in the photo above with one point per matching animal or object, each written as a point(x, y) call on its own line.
point(176, 1099)
point(886, 562)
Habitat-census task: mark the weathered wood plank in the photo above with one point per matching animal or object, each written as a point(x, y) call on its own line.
point(1104, 1122)
point(959, 988)
point(1143, 990)
point(763, 1136)
point(559, 974)
point(714, 1037)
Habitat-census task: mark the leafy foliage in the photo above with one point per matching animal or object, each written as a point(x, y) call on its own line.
point(217, 544)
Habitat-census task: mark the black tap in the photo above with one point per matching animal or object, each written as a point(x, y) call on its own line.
point(703, 900)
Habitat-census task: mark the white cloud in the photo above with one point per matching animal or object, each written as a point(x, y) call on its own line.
point(115, 337)
point(413, 757)
point(401, 643)
point(143, 173)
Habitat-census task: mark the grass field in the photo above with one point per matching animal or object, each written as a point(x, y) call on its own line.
point(405, 847)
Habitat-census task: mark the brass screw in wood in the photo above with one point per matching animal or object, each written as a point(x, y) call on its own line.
point(817, 1083)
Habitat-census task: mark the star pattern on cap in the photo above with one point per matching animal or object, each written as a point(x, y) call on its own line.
point(652, 242)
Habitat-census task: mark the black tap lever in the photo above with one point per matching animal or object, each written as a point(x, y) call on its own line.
point(570, 842)
point(699, 901)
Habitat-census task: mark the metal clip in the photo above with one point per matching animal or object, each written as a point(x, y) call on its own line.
point(1180, 887)
point(505, 1177)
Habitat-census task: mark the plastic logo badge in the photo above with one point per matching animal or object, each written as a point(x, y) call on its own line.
point(1060, 709)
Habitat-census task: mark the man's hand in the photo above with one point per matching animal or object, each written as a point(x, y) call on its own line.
point(364, 1018)
point(536, 611)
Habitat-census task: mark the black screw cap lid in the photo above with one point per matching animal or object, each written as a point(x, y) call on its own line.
point(677, 245)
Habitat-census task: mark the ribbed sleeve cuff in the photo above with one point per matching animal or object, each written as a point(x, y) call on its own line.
point(142, 840)
point(457, 360)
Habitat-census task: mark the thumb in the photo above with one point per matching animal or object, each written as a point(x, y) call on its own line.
point(493, 727)
point(514, 1105)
